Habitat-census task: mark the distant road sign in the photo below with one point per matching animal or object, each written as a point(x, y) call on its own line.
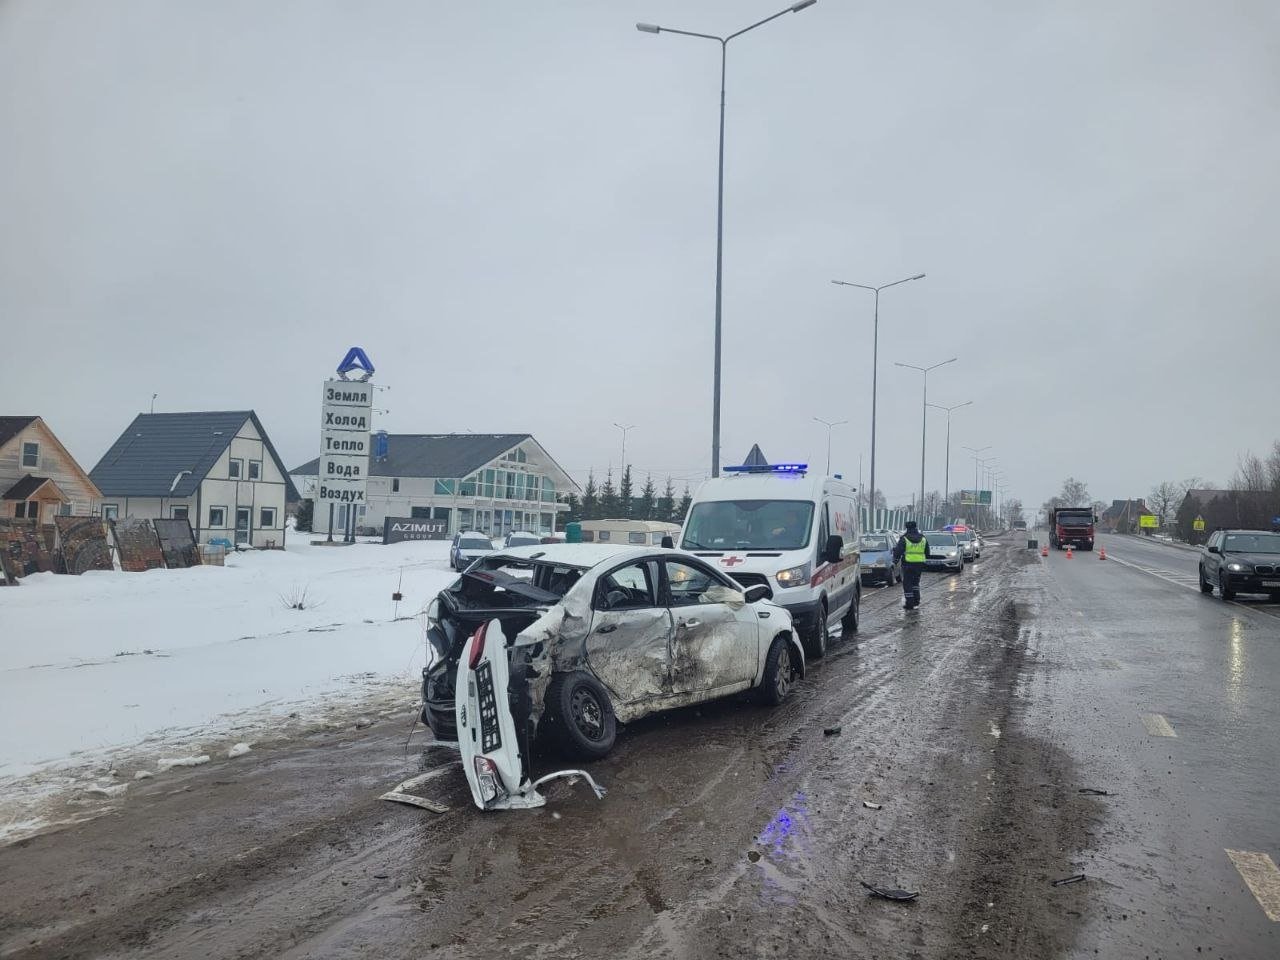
point(1148, 521)
point(1197, 523)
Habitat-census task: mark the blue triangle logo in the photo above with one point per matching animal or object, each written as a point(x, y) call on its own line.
point(356, 359)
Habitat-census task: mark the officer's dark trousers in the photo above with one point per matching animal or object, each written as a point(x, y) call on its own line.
point(911, 583)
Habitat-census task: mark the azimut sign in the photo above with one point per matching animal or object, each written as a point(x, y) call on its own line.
point(396, 529)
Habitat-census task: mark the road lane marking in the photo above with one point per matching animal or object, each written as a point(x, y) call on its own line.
point(1261, 875)
point(1157, 725)
point(1193, 583)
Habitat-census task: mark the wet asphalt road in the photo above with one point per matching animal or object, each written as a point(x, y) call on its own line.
point(733, 830)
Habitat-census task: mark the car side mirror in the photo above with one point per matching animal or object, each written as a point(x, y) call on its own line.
point(831, 553)
point(1214, 550)
point(757, 592)
point(668, 543)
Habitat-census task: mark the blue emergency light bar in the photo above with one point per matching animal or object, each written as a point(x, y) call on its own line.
point(769, 468)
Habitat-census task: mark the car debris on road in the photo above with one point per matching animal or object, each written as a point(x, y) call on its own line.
point(890, 893)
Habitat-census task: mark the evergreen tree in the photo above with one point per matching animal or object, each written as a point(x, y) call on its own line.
point(666, 506)
point(302, 521)
point(575, 508)
point(646, 505)
point(626, 494)
point(590, 500)
point(608, 498)
point(686, 501)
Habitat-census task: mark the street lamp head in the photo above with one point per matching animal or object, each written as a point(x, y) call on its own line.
point(918, 276)
point(650, 27)
point(797, 7)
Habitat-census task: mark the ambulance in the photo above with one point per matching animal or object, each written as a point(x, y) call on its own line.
point(793, 531)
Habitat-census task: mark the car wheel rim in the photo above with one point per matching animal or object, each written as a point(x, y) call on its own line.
point(588, 716)
point(783, 680)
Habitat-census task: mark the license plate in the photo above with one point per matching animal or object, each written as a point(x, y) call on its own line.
point(1271, 583)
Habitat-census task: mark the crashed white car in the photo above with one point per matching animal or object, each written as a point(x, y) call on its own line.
point(565, 641)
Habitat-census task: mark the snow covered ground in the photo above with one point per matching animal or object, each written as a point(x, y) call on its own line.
point(111, 670)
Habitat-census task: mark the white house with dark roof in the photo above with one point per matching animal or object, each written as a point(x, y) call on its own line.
point(39, 479)
point(219, 470)
point(494, 483)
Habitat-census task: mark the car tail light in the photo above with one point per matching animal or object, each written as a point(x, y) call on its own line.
point(488, 780)
point(477, 646)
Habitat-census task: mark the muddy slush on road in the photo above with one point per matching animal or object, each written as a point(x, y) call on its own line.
point(728, 829)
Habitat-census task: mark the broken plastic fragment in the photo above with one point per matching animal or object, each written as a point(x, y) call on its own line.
point(832, 731)
point(395, 796)
point(598, 790)
point(889, 893)
point(1074, 878)
point(871, 806)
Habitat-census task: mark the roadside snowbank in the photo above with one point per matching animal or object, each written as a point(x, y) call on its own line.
point(109, 662)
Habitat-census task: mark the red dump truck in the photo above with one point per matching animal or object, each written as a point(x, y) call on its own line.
point(1071, 527)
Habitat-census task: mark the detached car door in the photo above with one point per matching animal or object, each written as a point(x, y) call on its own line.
point(716, 638)
point(629, 645)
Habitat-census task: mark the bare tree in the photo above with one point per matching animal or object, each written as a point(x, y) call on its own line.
point(1164, 499)
point(1012, 510)
point(1075, 493)
point(1251, 474)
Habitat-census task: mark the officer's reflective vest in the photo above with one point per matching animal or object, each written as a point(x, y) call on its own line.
point(915, 550)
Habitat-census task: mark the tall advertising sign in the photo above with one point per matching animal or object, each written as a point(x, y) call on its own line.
point(346, 413)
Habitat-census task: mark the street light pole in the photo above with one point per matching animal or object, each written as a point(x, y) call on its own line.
point(624, 428)
point(924, 414)
point(946, 484)
point(975, 451)
point(875, 361)
point(829, 424)
point(724, 50)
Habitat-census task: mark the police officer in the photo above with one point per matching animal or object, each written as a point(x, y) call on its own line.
point(911, 549)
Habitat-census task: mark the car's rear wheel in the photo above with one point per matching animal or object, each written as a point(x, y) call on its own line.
point(1224, 587)
point(815, 644)
point(1205, 585)
point(582, 720)
point(777, 673)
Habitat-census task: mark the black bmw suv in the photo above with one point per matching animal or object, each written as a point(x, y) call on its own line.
point(1241, 561)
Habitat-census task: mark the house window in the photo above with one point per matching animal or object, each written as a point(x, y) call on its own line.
point(179, 513)
point(218, 515)
point(64, 510)
point(267, 517)
point(395, 484)
point(235, 468)
point(110, 511)
point(255, 469)
point(444, 488)
point(30, 454)
point(464, 519)
point(469, 487)
point(30, 509)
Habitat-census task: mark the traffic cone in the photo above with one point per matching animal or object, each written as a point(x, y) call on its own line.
point(1044, 551)
point(1070, 553)
point(1102, 553)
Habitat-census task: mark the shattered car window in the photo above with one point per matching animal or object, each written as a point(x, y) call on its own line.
point(628, 588)
point(688, 584)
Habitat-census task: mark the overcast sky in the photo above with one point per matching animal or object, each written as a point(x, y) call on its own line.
point(511, 207)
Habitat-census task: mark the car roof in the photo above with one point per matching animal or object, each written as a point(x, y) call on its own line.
point(587, 555)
